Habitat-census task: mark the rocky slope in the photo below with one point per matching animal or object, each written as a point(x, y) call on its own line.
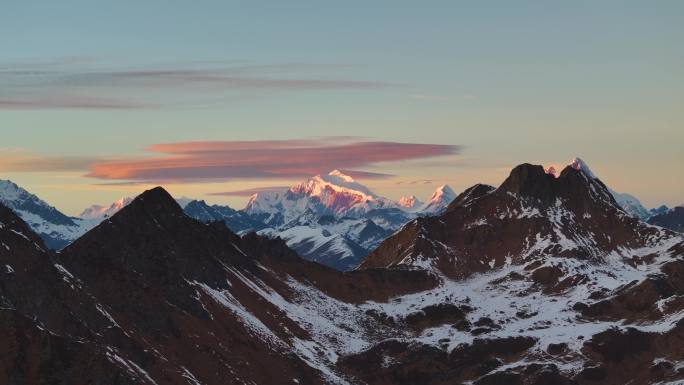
point(152, 296)
point(548, 280)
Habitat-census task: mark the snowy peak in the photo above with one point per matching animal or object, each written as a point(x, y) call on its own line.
point(439, 200)
point(26, 204)
point(576, 163)
point(334, 194)
point(580, 165)
point(55, 228)
point(576, 184)
point(334, 181)
point(410, 202)
point(102, 212)
point(628, 202)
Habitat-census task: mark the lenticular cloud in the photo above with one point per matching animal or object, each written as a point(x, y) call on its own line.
point(218, 160)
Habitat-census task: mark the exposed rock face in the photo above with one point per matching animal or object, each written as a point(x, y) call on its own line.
point(531, 215)
point(153, 296)
point(53, 331)
point(551, 258)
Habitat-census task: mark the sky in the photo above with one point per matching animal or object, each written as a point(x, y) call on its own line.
point(219, 99)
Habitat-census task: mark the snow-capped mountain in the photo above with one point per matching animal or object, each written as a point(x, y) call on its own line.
point(99, 212)
point(410, 202)
point(334, 194)
point(330, 218)
point(55, 228)
point(439, 200)
point(631, 205)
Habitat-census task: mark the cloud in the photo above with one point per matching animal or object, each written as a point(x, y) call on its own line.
point(250, 191)
point(20, 161)
point(70, 84)
point(67, 102)
point(186, 162)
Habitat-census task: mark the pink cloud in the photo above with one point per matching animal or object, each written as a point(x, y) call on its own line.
point(270, 159)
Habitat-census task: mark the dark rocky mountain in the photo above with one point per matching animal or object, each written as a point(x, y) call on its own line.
point(672, 219)
point(154, 296)
point(543, 280)
point(556, 284)
point(53, 330)
point(532, 214)
point(658, 210)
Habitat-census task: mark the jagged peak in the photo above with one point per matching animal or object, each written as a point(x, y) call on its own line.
point(409, 202)
point(574, 182)
point(335, 180)
point(443, 189)
point(101, 211)
point(156, 201)
point(578, 164)
point(575, 163)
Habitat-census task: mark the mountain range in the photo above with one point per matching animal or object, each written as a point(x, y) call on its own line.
point(331, 219)
point(545, 279)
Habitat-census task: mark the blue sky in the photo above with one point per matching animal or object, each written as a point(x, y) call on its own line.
point(511, 82)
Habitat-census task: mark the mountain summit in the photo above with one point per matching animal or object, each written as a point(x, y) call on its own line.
point(439, 200)
point(487, 227)
point(334, 194)
point(55, 228)
point(101, 212)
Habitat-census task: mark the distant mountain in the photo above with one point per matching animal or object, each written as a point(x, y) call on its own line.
point(335, 194)
point(659, 210)
point(238, 221)
point(439, 200)
point(631, 205)
point(331, 219)
point(98, 212)
point(672, 219)
point(335, 220)
point(410, 202)
point(55, 228)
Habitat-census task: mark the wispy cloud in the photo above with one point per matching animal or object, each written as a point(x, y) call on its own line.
point(21, 161)
point(84, 85)
point(186, 162)
point(69, 102)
